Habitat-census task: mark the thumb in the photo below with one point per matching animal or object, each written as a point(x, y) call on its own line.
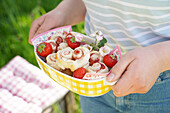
point(119, 68)
point(43, 28)
point(35, 26)
point(46, 25)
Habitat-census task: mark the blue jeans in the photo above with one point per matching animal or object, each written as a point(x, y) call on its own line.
point(156, 100)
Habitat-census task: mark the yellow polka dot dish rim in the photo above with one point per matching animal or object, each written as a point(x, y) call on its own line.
point(89, 88)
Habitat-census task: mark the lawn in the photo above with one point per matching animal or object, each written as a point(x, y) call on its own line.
point(16, 17)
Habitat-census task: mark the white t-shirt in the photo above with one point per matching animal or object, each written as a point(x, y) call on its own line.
point(129, 23)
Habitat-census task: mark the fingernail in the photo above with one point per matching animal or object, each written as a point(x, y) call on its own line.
point(110, 77)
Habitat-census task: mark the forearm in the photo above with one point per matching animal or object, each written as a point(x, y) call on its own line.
point(74, 11)
point(162, 51)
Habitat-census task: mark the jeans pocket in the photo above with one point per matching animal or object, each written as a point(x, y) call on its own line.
point(163, 77)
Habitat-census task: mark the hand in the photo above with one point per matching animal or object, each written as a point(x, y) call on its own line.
point(46, 22)
point(68, 12)
point(137, 70)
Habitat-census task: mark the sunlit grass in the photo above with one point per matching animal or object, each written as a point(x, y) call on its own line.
point(16, 17)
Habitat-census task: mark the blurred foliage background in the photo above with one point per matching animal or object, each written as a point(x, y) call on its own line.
point(16, 17)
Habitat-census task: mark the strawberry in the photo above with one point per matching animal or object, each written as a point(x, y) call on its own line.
point(72, 43)
point(109, 60)
point(44, 49)
point(79, 73)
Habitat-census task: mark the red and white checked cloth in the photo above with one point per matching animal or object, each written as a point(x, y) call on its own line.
point(24, 88)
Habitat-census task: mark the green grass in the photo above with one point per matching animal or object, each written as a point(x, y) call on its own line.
point(16, 17)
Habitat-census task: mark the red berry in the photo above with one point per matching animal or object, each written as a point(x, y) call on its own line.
point(79, 73)
point(44, 49)
point(109, 60)
point(72, 44)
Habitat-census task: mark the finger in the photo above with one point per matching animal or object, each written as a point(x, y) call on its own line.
point(124, 86)
point(43, 28)
point(122, 94)
point(47, 25)
point(34, 27)
point(120, 67)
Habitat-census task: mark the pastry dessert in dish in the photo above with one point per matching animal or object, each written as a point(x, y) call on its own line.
point(75, 56)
